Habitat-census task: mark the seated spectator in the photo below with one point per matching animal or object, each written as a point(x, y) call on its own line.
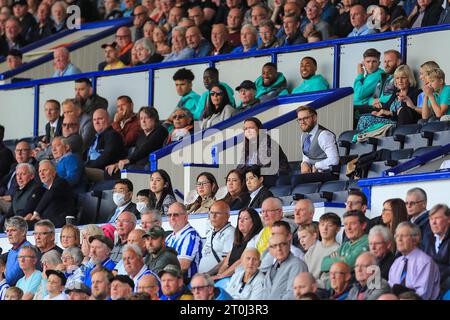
point(6, 156)
point(112, 10)
point(197, 14)
point(303, 216)
point(319, 147)
point(237, 195)
point(219, 40)
point(161, 187)
point(106, 148)
point(146, 52)
point(75, 118)
point(358, 19)
point(311, 81)
point(13, 293)
point(183, 79)
point(32, 277)
point(126, 122)
point(382, 18)
point(218, 107)
point(128, 8)
point(416, 206)
point(180, 50)
point(267, 33)
point(62, 64)
point(314, 20)
point(121, 287)
point(45, 26)
point(27, 21)
point(202, 288)
point(160, 41)
point(424, 69)
point(271, 83)
point(70, 132)
point(3, 284)
point(196, 42)
point(354, 226)
point(122, 197)
point(308, 236)
point(248, 39)
point(445, 16)
point(134, 263)
point(293, 35)
point(315, 36)
point(51, 260)
point(69, 166)
point(206, 187)
point(340, 281)
point(12, 39)
point(399, 23)
point(436, 243)
point(394, 211)
point(159, 255)
point(100, 254)
point(72, 258)
point(414, 269)
point(234, 23)
point(183, 125)
point(14, 59)
point(172, 286)
point(88, 100)
point(59, 15)
point(436, 96)
point(425, 13)
point(254, 181)
point(53, 128)
point(278, 280)
point(247, 94)
point(44, 238)
point(101, 283)
point(149, 284)
point(380, 245)
point(55, 285)
point(78, 291)
point(342, 26)
point(140, 17)
point(149, 218)
point(258, 13)
point(124, 45)
point(304, 284)
point(112, 56)
point(248, 227)
point(149, 26)
point(400, 108)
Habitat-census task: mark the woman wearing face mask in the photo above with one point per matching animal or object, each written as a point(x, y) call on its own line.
point(161, 187)
point(218, 108)
point(237, 195)
point(143, 199)
point(206, 190)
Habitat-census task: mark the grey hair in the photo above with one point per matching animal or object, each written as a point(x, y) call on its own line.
point(133, 247)
point(30, 168)
point(17, 222)
point(147, 44)
point(180, 29)
point(205, 276)
point(52, 165)
point(133, 216)
point(418, 191)
point(384, 231)
point(156, 214)
point(45, 223)
point(75, 253)
point(251, 28)
point(415, 230)
point(30, 247)
point(52, 257)
point(186, 111)
point(373, 259)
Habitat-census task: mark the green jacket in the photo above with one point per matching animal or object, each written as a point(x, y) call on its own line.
point(348, 252)
point(364, 87)
point(278, 88)
point(315, 83)
point(189, 101)
point(204, 98)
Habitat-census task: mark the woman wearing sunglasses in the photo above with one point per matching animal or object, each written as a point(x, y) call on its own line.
point(218, 108)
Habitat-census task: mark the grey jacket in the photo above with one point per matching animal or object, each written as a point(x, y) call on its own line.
point(370, 294)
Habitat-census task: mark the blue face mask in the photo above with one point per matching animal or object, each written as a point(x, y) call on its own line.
point(140, 206)
point(119, 199)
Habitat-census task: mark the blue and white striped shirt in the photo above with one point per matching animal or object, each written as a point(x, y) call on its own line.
point(144, 270)
point(3, 287)
point(188, 243)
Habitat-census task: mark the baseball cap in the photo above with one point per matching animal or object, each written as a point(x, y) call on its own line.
point(155, 233)
point(103, 239)
point(78, 287)
point(171, 269)
point(15, 53)
point(112, 44)
point(124, 279)
point(246, 84)
point(57, 273)
point(21, 2)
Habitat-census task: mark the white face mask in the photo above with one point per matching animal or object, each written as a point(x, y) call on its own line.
point(140, 206)
point(119, 199)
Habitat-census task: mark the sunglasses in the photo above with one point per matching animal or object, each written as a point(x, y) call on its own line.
point(216, 93)
point(179, 116)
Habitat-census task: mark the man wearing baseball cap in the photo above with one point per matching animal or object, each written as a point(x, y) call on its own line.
point(56, 280)
point(78, 291)
point(122, 287)
point(112, 56)
point(26, 19)
point(100, 252)
point(172, 285)
point(159, 255)
point(247, 94)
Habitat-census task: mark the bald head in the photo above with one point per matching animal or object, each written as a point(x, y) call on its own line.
point(100, 119)
point(61, 58)
point(388, 296)
point(219, 214)
point(304, 283)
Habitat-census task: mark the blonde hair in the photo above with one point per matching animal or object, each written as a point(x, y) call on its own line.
point(406, 71)
point(436, 74)
point(428, 66)
point(311, 228)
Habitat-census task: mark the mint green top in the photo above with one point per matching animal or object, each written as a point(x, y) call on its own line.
point(364, 87)
point(383, 96)
point(348, 252)
point(315, 83)
point(442, 98)
point(189, 101)
point(280, 83)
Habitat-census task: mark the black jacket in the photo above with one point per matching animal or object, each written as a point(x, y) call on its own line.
point(442, 257)
point(148, 144)
point(26, 200)
point(58, 130)
point(226, 48)
point(155, 58)
point(6, 160)
point(298, 38)
point(431, 16)
point(27, 24)
point(40, 32)
point(4, 47)
point(110, 146)
point(385, 265)
point(4, 190)
point(262, 195)
point(93, 103)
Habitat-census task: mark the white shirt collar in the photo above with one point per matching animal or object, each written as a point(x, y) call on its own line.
point(254, 193)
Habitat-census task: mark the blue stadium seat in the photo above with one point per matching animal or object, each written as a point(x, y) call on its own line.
point(87, 208)
point(421, 151)
point(281, 191)
point(107, 206)
point(306, 188)
point(283, 180)
point(353, 184)
point(401, 154)
point(332, 186)
point(347, 147)
point(441, 138)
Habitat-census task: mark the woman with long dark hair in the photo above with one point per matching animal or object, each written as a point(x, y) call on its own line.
point(394, 212)
point(218, 108)
point(161, 188)
point(206, 189)
point(249, 225)
point(237, 196)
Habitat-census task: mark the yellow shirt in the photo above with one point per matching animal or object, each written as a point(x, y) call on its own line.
point(119, 64)
point(263, 242)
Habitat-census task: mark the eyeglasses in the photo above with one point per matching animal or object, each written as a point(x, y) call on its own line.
point(201, 184)
point(146, 287)
point(216, 93)
point(278, 245)
point(413, 203)
point(179, 116)
point(214, 213)
point(174, 215)
point(299, 120)
point(25, 257)
point(123, 221)
point(199, 288)
point(22, 150)
point(41, 233)
point(268, 211)
point(69, 125)
point(401, 236)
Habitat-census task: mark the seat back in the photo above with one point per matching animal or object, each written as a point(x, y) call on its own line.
point(280, 191)
point(87, 208)
point(107, 206)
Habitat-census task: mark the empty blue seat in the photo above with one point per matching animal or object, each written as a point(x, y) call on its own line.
point(281, 191)
point(332, 186)
point(306, 188)
point(421, 151)
point(107, 207)
point(87, 208)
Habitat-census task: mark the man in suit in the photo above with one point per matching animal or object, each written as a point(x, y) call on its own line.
point(278, 280)
point(6, 156)
point(416, 207)
point(106, 148)
point(254, 181)
point(72, 107)
point(53, 128)
point(122, 195)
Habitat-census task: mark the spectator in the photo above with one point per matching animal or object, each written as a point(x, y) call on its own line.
point(303, 216)
point(394, 212)
point(247, 94)
point(183, 79)
point(185, 240)
point(14, 59)
point(50, 260)
point(219, 40)
point(278, 280)
point(436, 243)
point(196, 13)
point(180, 50)
point(161, 187)
point(197, 43)
point(160, 41)
point(445, 16)
point(45, 26)
point(329, 225)
point(400, 23)
point(32, 277)
point(342, 26)
point(436, 96)
point(78, 291)
point(159, 255)
point(88, 100)
point(218, 107)
point(133, 262)
point(247, 283)
point(70, 236)
point(112, 11)
point(340, 278)
point(55, 285)
point(311, 81)
point(234, 23)
point(87, 232)
point(125, 121)
point(237, 195)
point(381, 19)
point(112, 57)
point(248, 39)
point(70, 132)
point(329, 11)
point(183, 125)
point(62, 64)
point(3, 284)
point(128, 8)
point(142, 200)
point(248, 12)
point(101, 283)
point(315, 22)
point(59, 15)
point(106, 148)
point(44, 238)
point(72, 257)
point(414, 269)
point(248, 227)
point(12, 39)
point(293, 35)
point(6, 156)
point(425, 13)
point(416, 206)
point(26, 19)
point(124, 43)
point(150, 218)
point(354, 226)
point(424, 69)
point(202, 288)
point(140, 17)
point(319, 147)
point(172, 286)
point(259, 13)
point(358, 19)
point(206, 187)
point(150, 285)
point(72, 107)
point(13, 293)
point(125, 223)
point(394, 9)
point(146, 52)
point(174, 18)
point(314, 36)
point(100, 253)
point(53, 128)
point(254, 181)
point(271, 83)
point(267, 33)
point(69, 166)
point(380, 245)
point(16, 229)
point(305, 283)
point(149, 26)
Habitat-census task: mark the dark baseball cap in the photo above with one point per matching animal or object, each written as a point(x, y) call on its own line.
point(78, 287)
point(15, 53)
point(57, 273)
point(103, 239)
point(171, 269)
point(21, 2)
point(246, 84)
point(155, 233)
point(124, 279)
point(112, 44)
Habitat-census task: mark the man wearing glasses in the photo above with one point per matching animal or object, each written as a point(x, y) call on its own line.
point(124, 44)
point(125, 223)
point(416, 207)
point(319, 148)
point(29, 283)
point(44, 237)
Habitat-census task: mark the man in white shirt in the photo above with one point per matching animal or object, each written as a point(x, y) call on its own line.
point(55, 285)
